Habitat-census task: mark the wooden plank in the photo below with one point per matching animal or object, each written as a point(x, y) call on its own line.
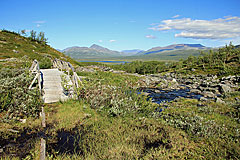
point(43, 149)
point(39, 83)
point(33, 81)
point(43, 141)
point(43, 118)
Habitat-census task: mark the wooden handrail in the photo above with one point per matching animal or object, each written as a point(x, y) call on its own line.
point(35, 69)
point(62, 65)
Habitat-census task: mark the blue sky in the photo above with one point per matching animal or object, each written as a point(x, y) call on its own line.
point(125, 24)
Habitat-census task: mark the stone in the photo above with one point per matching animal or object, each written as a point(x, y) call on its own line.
point(237, 99)
point(223, 88)
point(145, 93)
point(203, 99)
point(218, 100)
point(208, 94)
point(23, 120)
point(15, 51)
point(86, 115)
point(195, 91)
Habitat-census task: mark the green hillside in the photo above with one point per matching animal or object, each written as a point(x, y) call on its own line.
point(19, 48)
point(168, 55)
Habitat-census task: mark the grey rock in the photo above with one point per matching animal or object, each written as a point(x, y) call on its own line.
point(218, 100)
point(203, 99)
point(195, 91)
point(15, 51)
point(208, 94)
point(145, 93)
point(223, 88)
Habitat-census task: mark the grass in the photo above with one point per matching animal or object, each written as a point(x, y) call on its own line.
point(13, 45)
point(186, 129)
point(102, 137)
point(110, 121)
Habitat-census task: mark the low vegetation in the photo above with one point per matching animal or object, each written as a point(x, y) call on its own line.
point(224, 61)
point(17, 101)
point(148, 67)
point(111, 119)
point(16, 46)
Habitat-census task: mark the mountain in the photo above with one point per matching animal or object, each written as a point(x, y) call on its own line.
point(132, 52)
point(94, 51)
point(171, 52)
point(102, 49)
point(174, 47)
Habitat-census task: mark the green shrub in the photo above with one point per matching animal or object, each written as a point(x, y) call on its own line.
point(45, 63)
point(114, 95)
point(16, 100)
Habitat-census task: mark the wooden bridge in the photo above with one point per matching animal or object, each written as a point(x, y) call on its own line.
point(50, 81)
point(52, 86)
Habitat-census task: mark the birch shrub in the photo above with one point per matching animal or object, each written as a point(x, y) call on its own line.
point(16, 100)
point(116, 98)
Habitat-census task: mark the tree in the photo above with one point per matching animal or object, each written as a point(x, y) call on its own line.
point(23, 32)
point(33, 34)
point(41, 38)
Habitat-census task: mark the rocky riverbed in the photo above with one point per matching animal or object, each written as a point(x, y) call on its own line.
point(170, 86)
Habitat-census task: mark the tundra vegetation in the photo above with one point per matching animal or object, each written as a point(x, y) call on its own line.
point(110, 119)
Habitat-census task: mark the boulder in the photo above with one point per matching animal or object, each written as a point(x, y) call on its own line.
point(218, 100)
point(223, 88)
point(196, 91)
point(203, 99)
point(208, 94)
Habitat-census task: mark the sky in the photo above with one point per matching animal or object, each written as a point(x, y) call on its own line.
point(125, 24)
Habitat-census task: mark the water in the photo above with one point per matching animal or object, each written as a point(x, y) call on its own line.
point(121, 62)
point(170, 95)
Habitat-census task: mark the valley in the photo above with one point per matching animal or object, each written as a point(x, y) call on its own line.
point(151, 108)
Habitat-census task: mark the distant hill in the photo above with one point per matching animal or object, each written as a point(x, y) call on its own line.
point(132, 52)
point(13, 45)
point(94, 51)
point(174, 47)
point(171, 52)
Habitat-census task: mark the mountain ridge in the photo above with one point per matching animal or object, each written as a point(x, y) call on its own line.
point(97, 51)
point(174, 47)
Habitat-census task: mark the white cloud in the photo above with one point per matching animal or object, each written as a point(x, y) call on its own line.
point(150, 37)
point(222, 28)
point(112, 40)
point(176, 16)
point(38, 25)
point(100, 41)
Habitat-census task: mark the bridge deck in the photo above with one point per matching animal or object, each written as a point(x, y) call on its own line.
point(52, 88)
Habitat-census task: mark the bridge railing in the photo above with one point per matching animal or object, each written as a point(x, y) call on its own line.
point(66, 66)
point(34, 69)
